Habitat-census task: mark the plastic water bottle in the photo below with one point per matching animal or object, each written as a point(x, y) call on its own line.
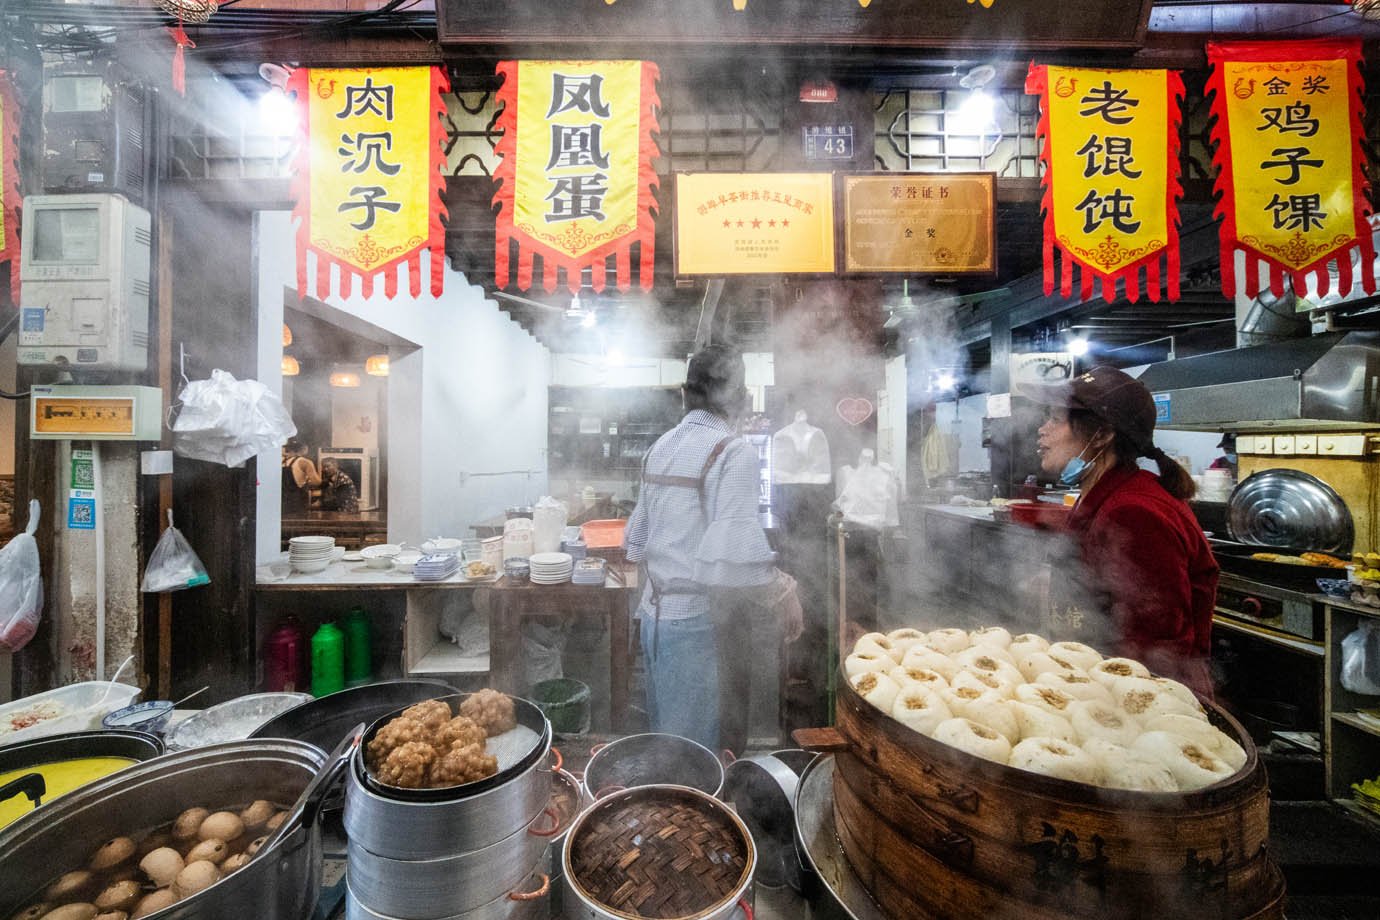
point(358, 663)
point(327, 660)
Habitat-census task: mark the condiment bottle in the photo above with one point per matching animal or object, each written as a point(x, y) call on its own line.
point(327, 660)
point(358, 665)
point(284, 651)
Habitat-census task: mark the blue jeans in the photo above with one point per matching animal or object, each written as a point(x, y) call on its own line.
point(682, 678)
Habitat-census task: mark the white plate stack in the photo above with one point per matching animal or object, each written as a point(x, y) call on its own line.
point(311, 554)
point(551, 568)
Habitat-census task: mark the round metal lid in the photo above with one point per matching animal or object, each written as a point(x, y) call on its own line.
point(1289, 508)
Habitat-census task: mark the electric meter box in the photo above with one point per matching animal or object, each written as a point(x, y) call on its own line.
point(84, 282)
point(100, 413)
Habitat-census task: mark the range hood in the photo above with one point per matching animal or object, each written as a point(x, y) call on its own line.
point(1327, 382)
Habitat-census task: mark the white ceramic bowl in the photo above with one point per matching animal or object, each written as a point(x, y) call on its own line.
point(404, 561)
point(380, 556)
point(442, 545)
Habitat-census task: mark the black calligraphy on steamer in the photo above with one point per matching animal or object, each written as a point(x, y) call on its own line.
point(1107, 154)
point(365, 151)
point(576, 161)
point(1293, 161)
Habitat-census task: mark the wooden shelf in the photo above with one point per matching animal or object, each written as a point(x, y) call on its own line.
point(444, 658)
point(1356, 722)
point(1306, 646)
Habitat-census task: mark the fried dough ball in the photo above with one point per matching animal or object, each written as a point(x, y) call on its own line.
point(458, 732)
point(407, 765)
point(395, 734)
point(463, 764)
point(492, 710)
point(432, 714)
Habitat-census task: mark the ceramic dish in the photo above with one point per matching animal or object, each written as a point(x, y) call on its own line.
point(151, 717)
point(442, 545)
point(231, 720)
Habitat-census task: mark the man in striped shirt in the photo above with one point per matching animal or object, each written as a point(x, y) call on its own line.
point(703, 553)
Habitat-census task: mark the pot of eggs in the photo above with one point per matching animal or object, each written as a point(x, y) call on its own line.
point(1042, 779)
point(211, 832)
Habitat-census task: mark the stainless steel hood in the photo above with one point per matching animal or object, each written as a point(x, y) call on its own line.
point(1328, 382)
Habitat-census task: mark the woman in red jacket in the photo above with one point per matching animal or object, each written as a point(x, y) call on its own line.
point(1148, 566)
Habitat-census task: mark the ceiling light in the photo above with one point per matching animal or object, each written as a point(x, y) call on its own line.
point(1078, 346)
point(277, 114)
point(344, 379)
point(946, 381)
point(287, 335)
point(290, 366)
point(977, 114)
point(376, 366)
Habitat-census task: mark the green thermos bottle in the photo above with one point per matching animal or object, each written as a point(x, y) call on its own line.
point(327, 660)
point(358, 665)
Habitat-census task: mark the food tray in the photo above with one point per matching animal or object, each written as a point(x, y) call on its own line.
point(232, 720)
point(82, 704)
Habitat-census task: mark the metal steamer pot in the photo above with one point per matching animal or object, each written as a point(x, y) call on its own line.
point(578, 905)
point(567, 785)
point(650, 760)
point(432, 824)
point(282, 883)
point(532, 902)
point(762, 790)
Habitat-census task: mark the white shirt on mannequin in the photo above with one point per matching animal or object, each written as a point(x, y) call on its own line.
point(800, 454)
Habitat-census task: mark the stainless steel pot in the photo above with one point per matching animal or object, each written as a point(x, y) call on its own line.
point(653, 760)
point(281, 883)
point(529, 902)
point(453, 884)
point(762, 791)
point(579, 905)
point(564, 787)
point(829, 884)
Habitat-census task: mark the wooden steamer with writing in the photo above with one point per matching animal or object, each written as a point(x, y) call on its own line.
point(937, 833)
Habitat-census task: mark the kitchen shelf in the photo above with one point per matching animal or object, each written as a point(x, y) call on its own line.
point(444, 658)
point(1269, 635)
point(1356, 722)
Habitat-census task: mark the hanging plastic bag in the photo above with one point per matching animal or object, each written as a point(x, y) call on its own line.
point(21, 587)
point(227, 421)
point(1361, 659)
point(173, 564)
point(868, 495)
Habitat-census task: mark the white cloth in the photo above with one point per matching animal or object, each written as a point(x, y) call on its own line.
point(800, 455)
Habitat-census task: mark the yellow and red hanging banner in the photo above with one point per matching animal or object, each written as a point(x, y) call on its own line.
point(11, 201)
point(1111, 178)
point(576, 179)
point(1289, 158)
point(369, 175)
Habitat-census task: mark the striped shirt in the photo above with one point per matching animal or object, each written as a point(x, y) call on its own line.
point(690, 548)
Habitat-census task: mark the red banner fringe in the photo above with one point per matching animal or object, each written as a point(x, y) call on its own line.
point(1037, 83)
point(298, 84)
point(1305, 50)
point(11, 199)
point(552, 260)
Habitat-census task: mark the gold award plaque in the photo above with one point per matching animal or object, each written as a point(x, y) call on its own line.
point(922, 223)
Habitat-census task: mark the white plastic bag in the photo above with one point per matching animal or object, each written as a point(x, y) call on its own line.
point(173, 565)
point(1361, 659)
point(21, 588)
point(869, 495)
point(227, 421)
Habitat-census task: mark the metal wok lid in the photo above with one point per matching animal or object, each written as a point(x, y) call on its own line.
point(513, 762)
point(1289, 508)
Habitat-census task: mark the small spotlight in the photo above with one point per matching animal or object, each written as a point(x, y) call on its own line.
point(1078, 346)
point(945, 381)
point(277, 113)
point(589, 320)
point(976, 115)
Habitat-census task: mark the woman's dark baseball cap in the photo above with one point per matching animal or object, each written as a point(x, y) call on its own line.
point(1119, 400)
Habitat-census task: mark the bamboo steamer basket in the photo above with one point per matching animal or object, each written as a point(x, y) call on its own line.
point(938, 833)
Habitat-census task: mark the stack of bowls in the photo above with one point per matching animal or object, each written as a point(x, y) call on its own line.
point(310, 554)
point(517, 569)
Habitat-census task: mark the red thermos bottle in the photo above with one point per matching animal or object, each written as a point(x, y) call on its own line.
point(283, 654)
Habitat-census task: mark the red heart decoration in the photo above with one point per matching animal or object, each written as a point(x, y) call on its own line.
point(854, 410)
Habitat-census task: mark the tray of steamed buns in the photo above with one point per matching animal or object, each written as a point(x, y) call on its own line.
point(1059, 709)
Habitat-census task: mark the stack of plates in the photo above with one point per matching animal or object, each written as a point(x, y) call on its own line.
point(551, 568)
point(436, 567)
point(310, 554)
point(589, 571)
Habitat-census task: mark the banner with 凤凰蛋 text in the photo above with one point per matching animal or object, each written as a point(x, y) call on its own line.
point(576, 175)
point(369, 178)
point(1111, 179)
point(754, 223)
point(1289, 132)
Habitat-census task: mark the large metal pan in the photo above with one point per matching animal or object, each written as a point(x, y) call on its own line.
point(30, 760)
point(832, 889)
point(1236, 559)
point(325, 721)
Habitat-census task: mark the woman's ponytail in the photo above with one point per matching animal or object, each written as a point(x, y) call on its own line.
point(1175, 479)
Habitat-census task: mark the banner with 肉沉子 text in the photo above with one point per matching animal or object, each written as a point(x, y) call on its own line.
point(1111, 178)
point(11, 201)
point(369, 175)
point(576, 177)
point(1289, 132)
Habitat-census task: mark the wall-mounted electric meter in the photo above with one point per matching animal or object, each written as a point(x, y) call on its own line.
point(84, 273)
point(112, 413)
